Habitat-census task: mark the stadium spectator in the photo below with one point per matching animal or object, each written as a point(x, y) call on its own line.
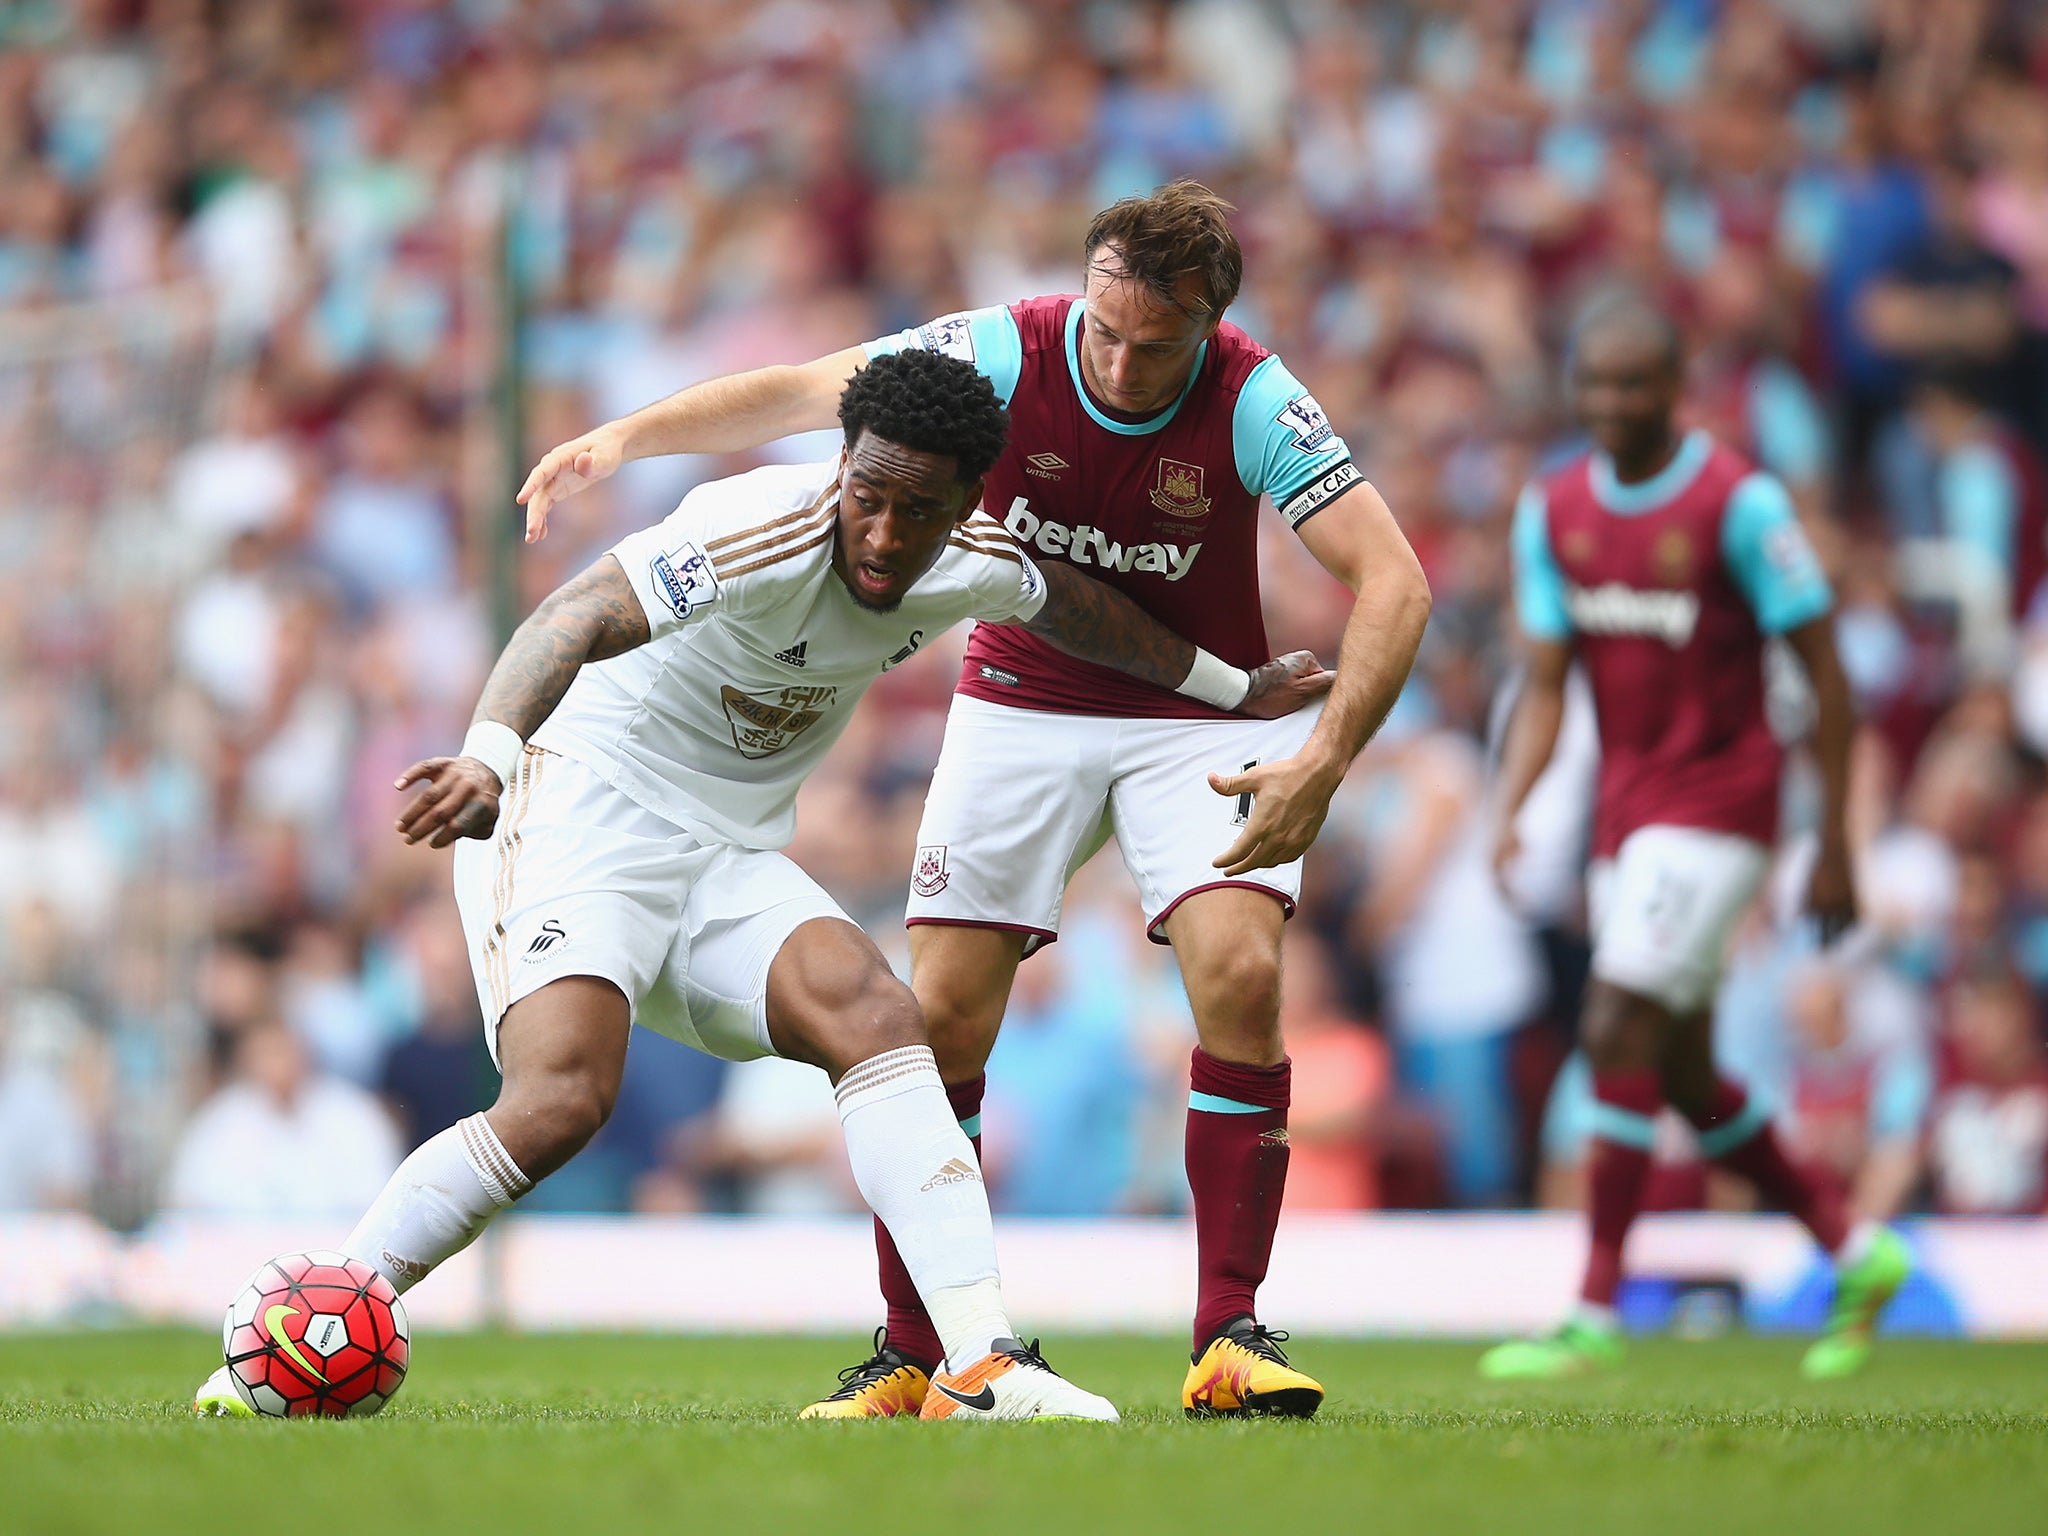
point(280, 1139)
point(253, 368)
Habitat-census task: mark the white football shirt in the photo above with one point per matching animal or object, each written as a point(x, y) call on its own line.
point(758, 652)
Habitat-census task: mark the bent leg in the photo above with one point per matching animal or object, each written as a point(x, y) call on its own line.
point(1227, 941)
point(1736, 1133)
point(832, 1001)
point(962, 977)
point(564, 1049)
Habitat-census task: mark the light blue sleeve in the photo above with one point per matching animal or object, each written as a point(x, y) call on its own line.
point(1285, 446)
point(1770, 556)
point(1899, 1097)
point(1980, 503)
point(1785, 419)
point(987, 338)
point(1539, 583)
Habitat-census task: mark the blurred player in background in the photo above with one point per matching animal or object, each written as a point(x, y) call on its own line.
point(1145, 431)
point(702, 669)
point(1662, 561)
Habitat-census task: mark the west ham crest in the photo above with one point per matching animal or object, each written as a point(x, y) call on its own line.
point(1179, 490)
point(928, 875)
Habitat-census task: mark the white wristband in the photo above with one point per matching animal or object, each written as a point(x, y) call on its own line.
point(497, 746)
point(1215, 681)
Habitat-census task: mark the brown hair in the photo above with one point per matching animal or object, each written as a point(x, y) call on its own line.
point(1180, 228)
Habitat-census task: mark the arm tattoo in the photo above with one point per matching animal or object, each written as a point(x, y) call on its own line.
point(1090, 619)
point(587, 618)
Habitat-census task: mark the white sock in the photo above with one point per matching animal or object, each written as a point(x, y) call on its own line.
point(1856, 1246)
point(1595, 1315)
point(442, 1196)
point(916, 1168)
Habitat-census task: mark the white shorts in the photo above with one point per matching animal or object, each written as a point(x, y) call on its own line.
point(1663, 906)
point(1022, 798)
point(581, 881)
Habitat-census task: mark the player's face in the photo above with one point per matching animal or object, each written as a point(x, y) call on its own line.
point(896, 506)
point(1624, 389)
point(1135, 351)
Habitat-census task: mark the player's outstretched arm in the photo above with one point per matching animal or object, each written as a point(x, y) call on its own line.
point(588, 618)
point(1357, 540)
point(728, 415)
point(1085, 618)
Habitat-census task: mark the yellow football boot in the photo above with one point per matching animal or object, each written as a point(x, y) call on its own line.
point(1244, 1373)
point(881, 1387)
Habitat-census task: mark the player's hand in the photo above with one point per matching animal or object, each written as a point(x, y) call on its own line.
point(1507, 852)
point(1831, 894)
point(1289, 800)
point(563, 471)
point(459, 799)
point(1284, 684)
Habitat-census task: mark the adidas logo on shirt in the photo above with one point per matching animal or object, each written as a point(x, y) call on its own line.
point(794, 656)
point(956, 1171)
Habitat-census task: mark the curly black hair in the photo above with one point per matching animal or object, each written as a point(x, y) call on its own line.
point(930, 402)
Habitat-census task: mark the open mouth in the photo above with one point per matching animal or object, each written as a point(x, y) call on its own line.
point(874, 580)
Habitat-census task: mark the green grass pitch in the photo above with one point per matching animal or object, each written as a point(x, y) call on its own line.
point(603, 1435)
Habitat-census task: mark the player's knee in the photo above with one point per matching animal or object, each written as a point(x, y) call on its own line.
point(557, 1112)
point(836, 1003)
point(1237, 991)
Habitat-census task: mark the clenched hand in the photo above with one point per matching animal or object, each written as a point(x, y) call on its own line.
point(460, 799)
point(1284, 684)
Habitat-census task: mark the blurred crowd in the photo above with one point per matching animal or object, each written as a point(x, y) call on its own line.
point(277, 279)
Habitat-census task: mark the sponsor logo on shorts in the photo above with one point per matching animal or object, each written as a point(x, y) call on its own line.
point(1046, 466)
point(1276, 1137)
point(928, 875)
point(1179, 489)
point(998, 675)
point(551, 933)
point(956, 1171)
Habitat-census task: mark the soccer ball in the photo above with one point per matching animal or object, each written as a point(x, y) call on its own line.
point(316, 1333)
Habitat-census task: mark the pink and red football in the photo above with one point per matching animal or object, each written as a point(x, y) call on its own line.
point(316, 1333)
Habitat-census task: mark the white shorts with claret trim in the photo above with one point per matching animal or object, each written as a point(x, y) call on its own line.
point(579, 880)
point(1662, 909)
point(1022, 798)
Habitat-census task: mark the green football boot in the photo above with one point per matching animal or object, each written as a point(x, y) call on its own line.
point(1861, 1291)
point(218, 1399)
point(1579, 1348)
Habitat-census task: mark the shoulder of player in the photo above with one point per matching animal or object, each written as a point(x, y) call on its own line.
point(770, 518)
point(1042, 321)
point(978, 541)
point(1234, 357)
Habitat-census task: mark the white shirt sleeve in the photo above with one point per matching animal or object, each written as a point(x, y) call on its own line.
point(1008, 588)
point(693, 561)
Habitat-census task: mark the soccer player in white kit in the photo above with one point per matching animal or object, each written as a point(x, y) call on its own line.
point(631, 772)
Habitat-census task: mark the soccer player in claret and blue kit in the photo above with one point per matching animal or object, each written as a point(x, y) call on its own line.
point(1662, 562)
point(1145, 431)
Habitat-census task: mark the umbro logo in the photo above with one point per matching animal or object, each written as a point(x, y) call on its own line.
point(551, 933)
point(956, 1171)
point(1275, 1137)
point(794, 656)
point(1046, 466)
